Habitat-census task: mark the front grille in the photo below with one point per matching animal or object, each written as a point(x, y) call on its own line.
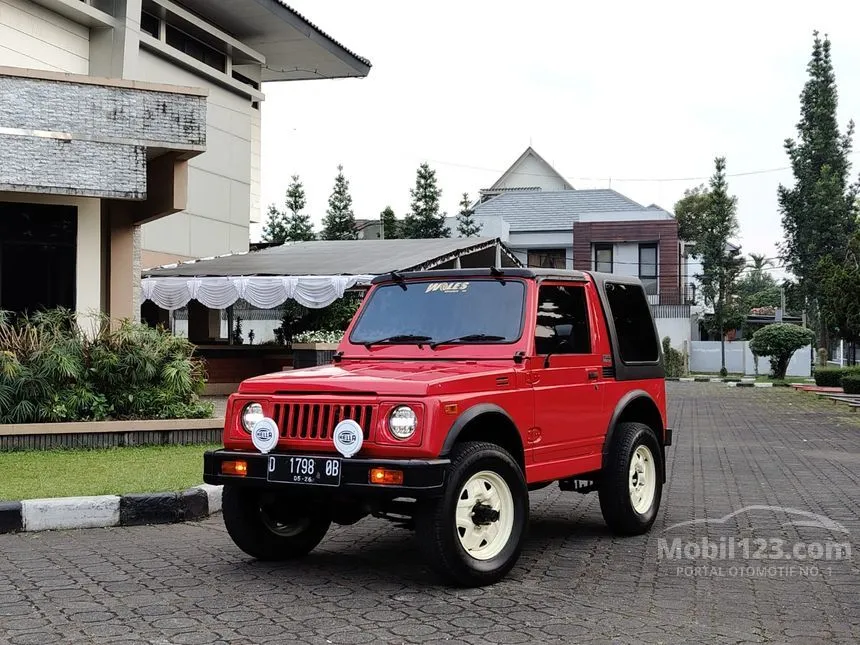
point(317, 420)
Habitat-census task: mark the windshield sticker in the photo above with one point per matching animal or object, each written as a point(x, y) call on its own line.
point(447, 287)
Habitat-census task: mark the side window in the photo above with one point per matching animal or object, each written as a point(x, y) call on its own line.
point(562, 321)
point(637, 342)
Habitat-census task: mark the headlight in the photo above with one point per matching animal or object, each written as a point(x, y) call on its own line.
point(252, 413)
point(402, 422)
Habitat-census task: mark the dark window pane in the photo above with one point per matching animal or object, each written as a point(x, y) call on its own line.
point(562, 321)
point(603, 258)
point(195, 48)
point(244, 79)
point(631, 315)
point(443, 310)
point(547, 259)
point(149, 24)
point(648, 261)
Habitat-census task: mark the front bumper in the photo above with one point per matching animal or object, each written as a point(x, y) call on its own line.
point(421, 477)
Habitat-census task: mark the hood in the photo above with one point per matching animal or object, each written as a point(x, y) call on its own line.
point(413, 378)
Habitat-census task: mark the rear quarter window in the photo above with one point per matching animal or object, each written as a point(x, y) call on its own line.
point(634, 327)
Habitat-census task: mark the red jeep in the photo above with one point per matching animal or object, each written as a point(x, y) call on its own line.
point(451, 396)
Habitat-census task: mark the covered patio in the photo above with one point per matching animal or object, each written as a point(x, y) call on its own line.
point(205, 299)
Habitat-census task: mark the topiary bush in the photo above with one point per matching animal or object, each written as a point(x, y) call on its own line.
point(780, 341)
point(675, 361)
point(51, 371)
point(851, 383)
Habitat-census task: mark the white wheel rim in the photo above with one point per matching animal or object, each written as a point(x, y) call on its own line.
point(642, 480)
point(485, 515)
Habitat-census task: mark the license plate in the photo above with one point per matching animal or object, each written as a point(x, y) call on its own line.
point(292, 469)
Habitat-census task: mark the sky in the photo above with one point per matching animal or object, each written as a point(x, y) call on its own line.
point(639, 97)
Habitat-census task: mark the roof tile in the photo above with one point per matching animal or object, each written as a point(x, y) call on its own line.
point(554, 210)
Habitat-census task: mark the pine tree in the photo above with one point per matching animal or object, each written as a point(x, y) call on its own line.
point(424, 220)
point(339, 221)
point(276, 226)
point(819, 211)
point(299, 226)
point(290, 224)
point(720, 266)
point(466, 224)
point(389, 224)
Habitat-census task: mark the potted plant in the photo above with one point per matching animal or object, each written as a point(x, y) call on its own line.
point(312, 348)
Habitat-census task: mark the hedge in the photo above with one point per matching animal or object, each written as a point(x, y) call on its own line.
point(832, 376)
point(851, 383)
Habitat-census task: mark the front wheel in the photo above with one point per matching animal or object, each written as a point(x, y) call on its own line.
point(473, 534)
point(632, 480)
point(268, 528)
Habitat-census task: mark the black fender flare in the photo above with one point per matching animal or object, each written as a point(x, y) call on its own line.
point(467, 417)
point(622, 404)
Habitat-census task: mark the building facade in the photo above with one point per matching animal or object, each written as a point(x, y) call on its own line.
point(131, 134)
point(549, 223)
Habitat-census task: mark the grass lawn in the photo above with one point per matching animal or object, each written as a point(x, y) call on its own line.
point(66, 473)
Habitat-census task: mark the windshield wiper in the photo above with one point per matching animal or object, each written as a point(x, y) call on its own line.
point(470, 338)
point(399, 338)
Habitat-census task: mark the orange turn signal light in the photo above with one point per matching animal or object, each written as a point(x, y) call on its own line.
point(238, 468)
point(385, 476)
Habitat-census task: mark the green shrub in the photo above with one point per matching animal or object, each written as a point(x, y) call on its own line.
point(675, 361)
point(851, 383)
point(51, 370)
point(832, 376)
point(828, 376)
point(780, 341)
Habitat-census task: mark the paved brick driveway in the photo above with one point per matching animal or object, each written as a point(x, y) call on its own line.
point(575, 584)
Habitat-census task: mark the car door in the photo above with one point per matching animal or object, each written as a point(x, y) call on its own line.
point(565, 373)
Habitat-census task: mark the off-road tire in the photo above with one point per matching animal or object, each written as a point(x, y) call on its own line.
point(247, 526)
point(614, 491)
point(436, 524)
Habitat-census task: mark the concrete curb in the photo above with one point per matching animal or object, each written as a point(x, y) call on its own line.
point(110, 510)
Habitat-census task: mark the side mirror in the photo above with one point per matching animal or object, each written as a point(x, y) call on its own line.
point(563, 331)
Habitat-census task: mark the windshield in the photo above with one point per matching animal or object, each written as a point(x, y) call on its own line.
point(473, 311)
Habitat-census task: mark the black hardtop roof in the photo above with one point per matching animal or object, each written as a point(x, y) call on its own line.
point(531, 273)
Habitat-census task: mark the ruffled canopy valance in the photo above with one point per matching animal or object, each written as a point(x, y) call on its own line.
point(264, 292)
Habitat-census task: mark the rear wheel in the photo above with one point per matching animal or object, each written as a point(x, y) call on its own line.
point(268, 528)
point(632, 481)
point(473, 534)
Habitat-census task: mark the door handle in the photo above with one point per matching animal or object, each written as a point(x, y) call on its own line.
point(592, 375)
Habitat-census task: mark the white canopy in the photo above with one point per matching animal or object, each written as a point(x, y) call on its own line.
point(315, 273)
point(264, 292)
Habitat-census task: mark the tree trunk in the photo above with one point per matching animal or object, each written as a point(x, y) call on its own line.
point(722, 331)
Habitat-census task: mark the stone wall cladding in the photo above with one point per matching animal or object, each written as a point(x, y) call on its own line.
point(100, 111)
point(87, 168)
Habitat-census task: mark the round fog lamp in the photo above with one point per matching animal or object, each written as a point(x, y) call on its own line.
point(252, 413)
point(402, 422)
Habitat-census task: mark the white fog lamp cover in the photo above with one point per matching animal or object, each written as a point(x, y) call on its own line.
point(348, 437)
point(264, 434)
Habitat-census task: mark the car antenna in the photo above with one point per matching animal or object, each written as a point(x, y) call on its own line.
point(497, 273)
point(398, 279)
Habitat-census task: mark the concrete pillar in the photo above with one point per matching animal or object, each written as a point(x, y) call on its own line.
point(114, 51)
point(124, 253)
point(89, 270)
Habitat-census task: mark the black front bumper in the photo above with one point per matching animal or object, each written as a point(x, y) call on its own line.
point(421, 477)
